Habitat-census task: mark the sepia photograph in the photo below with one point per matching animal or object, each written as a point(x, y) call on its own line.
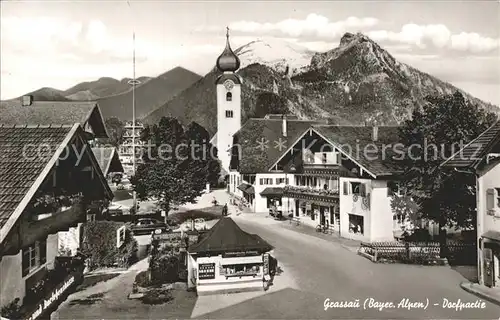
point(249, 159)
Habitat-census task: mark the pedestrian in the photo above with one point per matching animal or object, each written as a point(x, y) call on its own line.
point(224, 210)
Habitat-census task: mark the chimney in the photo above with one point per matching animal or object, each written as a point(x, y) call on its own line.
point(26, 100)
point(375, 133)
point(284, 126)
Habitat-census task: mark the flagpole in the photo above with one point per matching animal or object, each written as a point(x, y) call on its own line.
point(134, 194)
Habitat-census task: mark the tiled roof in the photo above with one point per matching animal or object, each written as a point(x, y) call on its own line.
point(108, 160)
point(22, 162)
point(354, 139)
point(474, 151)
point(226, 236)
point(52, 113)
point(258, 133)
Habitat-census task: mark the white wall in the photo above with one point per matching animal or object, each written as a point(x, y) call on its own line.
point(227, 127)
point(488, 178)
point(220, 283)
point(11, 284)
point(348, 206)
point(261, 201)
point(381, 226)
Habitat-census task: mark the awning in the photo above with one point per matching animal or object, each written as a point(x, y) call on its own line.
point(272, 191)
point(492, 235)
point(244, 186)
point(247, 188)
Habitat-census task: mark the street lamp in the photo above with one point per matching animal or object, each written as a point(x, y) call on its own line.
point(291, 169)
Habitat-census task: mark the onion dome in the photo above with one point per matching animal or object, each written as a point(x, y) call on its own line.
point(228, 60)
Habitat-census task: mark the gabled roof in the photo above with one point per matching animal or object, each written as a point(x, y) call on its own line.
point(259, 139)
point(226, 236)
point(108, 160)
point(472, 154)
point(24, 166)
point(352, 141)
point(54, 113)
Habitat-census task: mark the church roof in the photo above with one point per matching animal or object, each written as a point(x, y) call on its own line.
point(228, 60)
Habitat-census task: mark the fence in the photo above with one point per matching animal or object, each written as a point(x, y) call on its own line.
point(457, 253)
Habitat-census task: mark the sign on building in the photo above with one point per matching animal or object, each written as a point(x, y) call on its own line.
point(206, 271)
point(266, 263)
point(120, 236)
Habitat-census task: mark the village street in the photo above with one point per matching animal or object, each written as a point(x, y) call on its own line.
point(325, 270)
point(314, 269)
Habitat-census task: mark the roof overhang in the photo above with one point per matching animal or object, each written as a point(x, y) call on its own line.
point(75, 130)
point(309, 131)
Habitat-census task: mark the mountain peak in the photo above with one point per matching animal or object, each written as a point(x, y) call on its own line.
point(349, 38)
point(280, 55)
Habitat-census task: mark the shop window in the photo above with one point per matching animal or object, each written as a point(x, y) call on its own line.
point(356, 224)
point(240, 269)
point(34, 256)
point(334, 216)
point(274, 202)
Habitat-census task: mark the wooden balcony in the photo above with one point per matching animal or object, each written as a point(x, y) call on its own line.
point(308, 193)
point(34, 227)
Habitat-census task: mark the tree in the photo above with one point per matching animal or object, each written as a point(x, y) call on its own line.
point(116, 129)
point(433, 134)
point(204, 153)
point(171, 172)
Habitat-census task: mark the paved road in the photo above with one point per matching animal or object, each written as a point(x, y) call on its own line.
point(325, 270)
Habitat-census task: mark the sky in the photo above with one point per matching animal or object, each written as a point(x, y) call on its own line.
point(61, 43)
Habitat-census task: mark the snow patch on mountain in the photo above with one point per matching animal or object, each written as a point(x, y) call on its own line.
point(281, 55)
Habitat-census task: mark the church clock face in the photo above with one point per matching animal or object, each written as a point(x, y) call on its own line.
point(229, 85)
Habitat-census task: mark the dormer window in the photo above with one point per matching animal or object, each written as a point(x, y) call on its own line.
point(229, 96)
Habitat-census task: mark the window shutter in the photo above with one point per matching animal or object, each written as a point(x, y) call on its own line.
point(346, 186)
point(362, 190)
point(43, 251)
point(490, 199)
point(26, 262)
point(337, 158)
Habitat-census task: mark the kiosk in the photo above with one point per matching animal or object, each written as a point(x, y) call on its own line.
point(228, 259)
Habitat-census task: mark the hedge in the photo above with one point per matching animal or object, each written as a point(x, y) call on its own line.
point(99, 245)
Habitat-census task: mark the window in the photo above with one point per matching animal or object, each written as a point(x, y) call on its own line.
point(34, 256)
point(229, 113)
point(240, 269)
point(493, 201)
point(356, 224)
point(355, 187)
point(281, 180)
point(229, 96)
point(274, 202)
point(324, 158)
point(393, 189)
point(266, 181)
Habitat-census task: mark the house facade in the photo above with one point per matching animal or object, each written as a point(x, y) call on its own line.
point(481, 157)
point(318, 173)
point(49, 179)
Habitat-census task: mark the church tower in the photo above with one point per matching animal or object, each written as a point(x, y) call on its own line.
point(228, 102)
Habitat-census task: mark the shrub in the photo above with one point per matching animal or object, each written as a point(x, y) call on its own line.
point(142, 279)
point(157, 296)
point(12, 310)
point(100, 245)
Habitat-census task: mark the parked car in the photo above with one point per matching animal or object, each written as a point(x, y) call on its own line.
point(147, 225)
